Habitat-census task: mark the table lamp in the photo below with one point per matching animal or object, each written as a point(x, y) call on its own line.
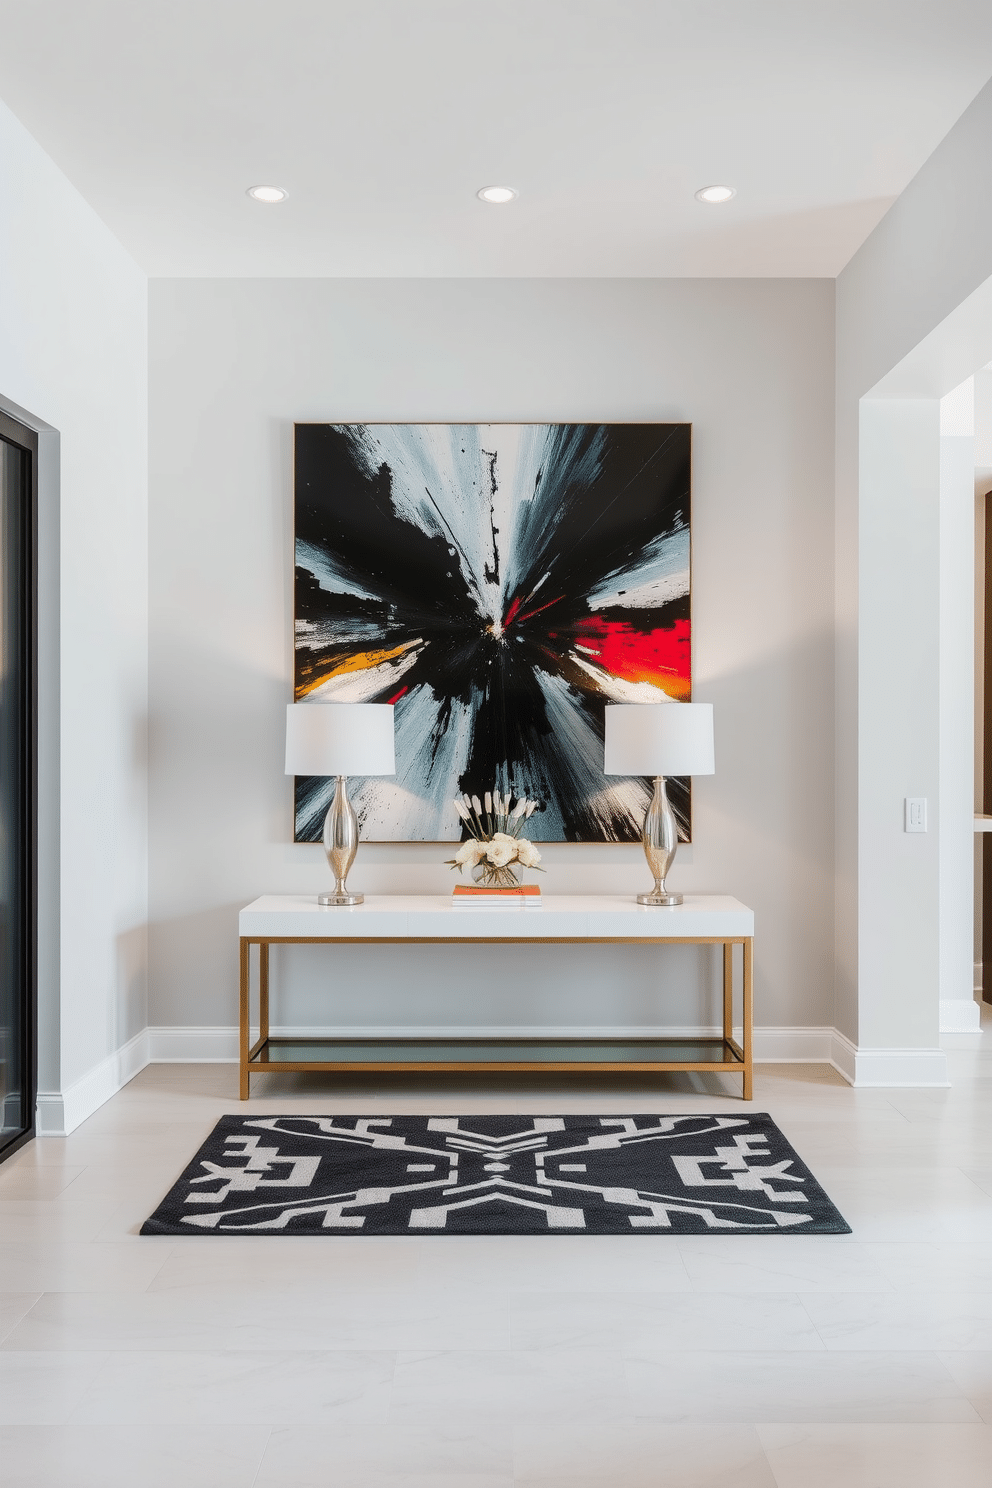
point(340, 739)
point(659, 739)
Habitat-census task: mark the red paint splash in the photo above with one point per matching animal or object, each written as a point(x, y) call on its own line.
point(530, 613)
point(514, 607)
point(658, 656)
point(397, 695)
point(512, 613)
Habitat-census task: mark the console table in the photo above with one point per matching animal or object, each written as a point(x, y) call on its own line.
point(283, 919)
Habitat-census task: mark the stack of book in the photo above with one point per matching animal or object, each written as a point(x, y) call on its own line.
point(524, 896)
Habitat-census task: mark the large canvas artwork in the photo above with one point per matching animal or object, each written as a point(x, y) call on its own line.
point(498, 583)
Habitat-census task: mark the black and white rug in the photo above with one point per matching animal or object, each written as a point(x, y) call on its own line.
point(496, 1175)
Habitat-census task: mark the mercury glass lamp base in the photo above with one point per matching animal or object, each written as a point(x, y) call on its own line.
point(660, 839)
point(340, 845)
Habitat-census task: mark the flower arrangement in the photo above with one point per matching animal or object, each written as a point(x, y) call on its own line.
point(495, 845)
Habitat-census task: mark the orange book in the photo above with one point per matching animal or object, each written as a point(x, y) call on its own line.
point(475, 893)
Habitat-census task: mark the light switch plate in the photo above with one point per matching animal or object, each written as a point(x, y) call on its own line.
point(915, 814)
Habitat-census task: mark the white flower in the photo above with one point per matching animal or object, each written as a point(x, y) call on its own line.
point(527, 853)
point(501, 850)
point(470, 852)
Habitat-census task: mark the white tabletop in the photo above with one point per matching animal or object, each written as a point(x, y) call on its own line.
point(435, 916)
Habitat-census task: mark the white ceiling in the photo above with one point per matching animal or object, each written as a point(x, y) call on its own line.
point(383, 117)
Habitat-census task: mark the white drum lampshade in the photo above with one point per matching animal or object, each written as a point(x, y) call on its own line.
point(659, 739)
point(340, 739)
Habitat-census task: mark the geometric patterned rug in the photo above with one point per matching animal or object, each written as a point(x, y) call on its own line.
point(496, 1175)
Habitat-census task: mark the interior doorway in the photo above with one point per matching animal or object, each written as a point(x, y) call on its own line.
point(983, 714)
point(983, 684)
point(18, 981)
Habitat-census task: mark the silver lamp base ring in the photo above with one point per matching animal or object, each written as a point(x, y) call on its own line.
point(659, 901)
point(339, 901)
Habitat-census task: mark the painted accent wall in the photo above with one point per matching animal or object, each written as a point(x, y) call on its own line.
point(232, 364)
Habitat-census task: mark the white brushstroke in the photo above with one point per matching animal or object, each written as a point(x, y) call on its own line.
point(582, 746)
point(536, 519)
point(418, 802)
point(440, 482)
point(628, 793)
point(615, 689)
point(320, 635)
point(322, 567)
point(452, 463)
point(661, 576)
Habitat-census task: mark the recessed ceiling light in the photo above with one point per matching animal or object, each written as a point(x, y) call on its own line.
point(497, 195)
point(714, 195)
point(268, 194)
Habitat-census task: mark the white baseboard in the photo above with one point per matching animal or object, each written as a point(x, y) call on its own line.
point(220, 1045)
point(197, 1045)
point(960, 1015)
point(888, 1067)
point(844, 1056)
point(792, 1045)
point(59, 1112)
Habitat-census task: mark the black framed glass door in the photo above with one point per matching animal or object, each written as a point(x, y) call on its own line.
point(18, 996)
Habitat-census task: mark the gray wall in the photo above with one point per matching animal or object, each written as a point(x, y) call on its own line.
point(914, 319)
point(233, 364)
point(73, 357)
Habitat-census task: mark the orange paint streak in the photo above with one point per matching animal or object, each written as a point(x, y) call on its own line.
point(359, 661)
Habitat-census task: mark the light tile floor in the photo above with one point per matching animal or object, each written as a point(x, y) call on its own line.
point(548, 1362)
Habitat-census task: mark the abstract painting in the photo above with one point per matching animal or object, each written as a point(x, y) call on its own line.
point(499, 584)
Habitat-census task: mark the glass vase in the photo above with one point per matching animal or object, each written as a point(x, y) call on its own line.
point(485, 876)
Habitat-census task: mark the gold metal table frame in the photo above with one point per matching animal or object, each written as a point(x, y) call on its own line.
point(543, 1052)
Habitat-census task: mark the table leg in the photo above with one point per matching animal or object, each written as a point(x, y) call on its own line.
point(263, 989)
point(244, 1030)
point(728, 990)
point(748, 1018)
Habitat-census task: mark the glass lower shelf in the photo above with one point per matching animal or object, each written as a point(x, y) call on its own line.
point(460, 1053)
